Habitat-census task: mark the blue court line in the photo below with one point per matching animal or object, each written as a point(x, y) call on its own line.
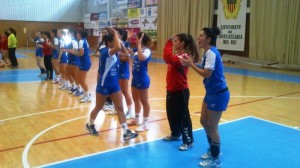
point(252, 73)
point(24, 75)
point(248, 142)
point(21, 75)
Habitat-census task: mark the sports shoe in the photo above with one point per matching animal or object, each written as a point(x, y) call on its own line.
point(129, 115)
point(185, 147)
point(211, 163)
point(85, 99)
point(78, 93)
point(142, 128)
point(129, 135)
point(72, 90)
point(108, 107)
point(208, 155)
point(171, 138)
point(91, 128)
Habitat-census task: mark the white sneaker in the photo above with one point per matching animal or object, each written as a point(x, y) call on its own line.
point(129, 115)
point(208, 155)
point(87, 98)
point(142, 128)
point(211, 163)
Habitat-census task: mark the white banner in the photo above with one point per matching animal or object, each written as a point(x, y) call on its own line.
point(232, 22)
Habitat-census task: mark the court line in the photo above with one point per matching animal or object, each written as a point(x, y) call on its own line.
point(192, 97)
point(38, 113)
point(119, 127)
point(27, 147)
point(123, 147)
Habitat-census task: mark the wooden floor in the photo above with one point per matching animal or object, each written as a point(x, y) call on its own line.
point(40, 124)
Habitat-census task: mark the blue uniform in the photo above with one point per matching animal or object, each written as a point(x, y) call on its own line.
point(217, 94)
point(140, 77)
point(108, 82)
point(124, 65)
point(55, 51)
point(38, 50)
point(73, 59)
point(85, 60)
point(64, 56)
point(101, 48)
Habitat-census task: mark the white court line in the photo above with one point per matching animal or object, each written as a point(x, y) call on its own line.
point(28, 145)
point(296, 128)
point(123, 147)
point(38, 113)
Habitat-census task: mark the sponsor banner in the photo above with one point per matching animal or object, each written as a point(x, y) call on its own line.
point(152, 34)
point(134, 3)
point(122, 23)
point(94, 25)
point(102, 15)
point(151, 2)
point(96, 32)
point(94, 16)
point(142, 12)
point(151, 11)
point(134, 23)
point(87, 25)
point(133, 13)
point(232, 23)
point(149, 23)
point(103, 24)
point(121, 4)
point(113, 23)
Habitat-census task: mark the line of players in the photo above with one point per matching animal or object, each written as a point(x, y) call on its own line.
point(70, 60)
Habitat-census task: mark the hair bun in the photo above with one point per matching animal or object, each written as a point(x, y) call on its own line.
point(216, 30)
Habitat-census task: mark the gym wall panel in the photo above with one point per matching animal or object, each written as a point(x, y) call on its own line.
point(42, 10)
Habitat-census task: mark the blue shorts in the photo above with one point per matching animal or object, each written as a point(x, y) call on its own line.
point(39, 53)
point(64, 58)
point(73, 60)
point(124, 75)
point(107, 90)
point(141, 83)
point(124, 70)
point(85, 66)
point(55, 55)
point(217, 102)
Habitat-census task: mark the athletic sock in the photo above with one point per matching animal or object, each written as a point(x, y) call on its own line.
point(124, 127)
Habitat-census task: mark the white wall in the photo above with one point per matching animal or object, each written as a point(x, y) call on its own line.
point(42, 10)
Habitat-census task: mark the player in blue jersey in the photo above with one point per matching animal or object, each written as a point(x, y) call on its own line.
point(108, 84)
point(124, 73)
point(63, 58)
point(141, 81)
point(54, 60)
point(73, 61)
point(38, 40)
point(85, 65)
point(217, 94)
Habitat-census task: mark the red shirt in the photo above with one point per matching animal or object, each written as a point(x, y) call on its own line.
point(46, 49)
point(177, 73)
point(4, 43)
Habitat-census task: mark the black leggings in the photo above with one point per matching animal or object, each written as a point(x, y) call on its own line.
point(48, 66)
point(12, 56)
point(179, 115)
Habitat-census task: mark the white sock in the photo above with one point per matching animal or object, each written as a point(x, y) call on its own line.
point(124, 127)
point(130, 109)
point(91, 122)
point(145, 121)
